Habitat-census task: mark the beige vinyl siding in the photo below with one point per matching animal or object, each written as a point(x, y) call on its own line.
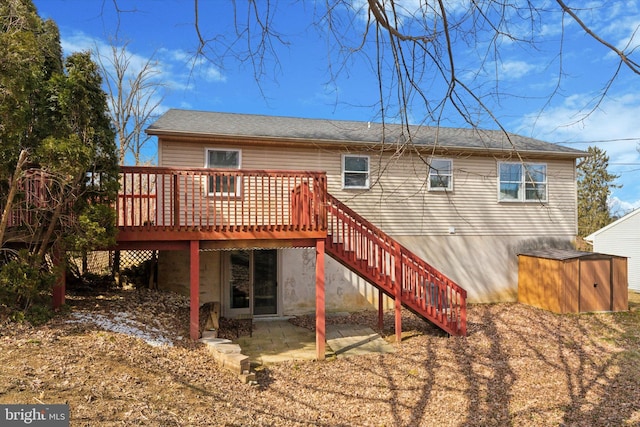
point(401, 204)
point(399, 201)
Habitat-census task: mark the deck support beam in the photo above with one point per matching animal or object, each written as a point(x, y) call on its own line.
point(321, 334)
point(398, 293)
point(380, 309)
point(61, 280)
point(194, 286)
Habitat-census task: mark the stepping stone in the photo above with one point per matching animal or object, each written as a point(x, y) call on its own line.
point(228, 348)
point(214, 341)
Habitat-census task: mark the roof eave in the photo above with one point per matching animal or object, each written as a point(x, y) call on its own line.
point(292, 140)
point(241, 137)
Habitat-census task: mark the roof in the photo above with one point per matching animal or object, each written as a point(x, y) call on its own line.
point(627, 217)
point(188, 123)
point(564, 254)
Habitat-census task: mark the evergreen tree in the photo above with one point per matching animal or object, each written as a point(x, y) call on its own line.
point(594, 188)
point(22, 74)
point(53, 118)
point(81, 151)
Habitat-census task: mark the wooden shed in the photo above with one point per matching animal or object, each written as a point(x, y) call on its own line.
point(569, 281)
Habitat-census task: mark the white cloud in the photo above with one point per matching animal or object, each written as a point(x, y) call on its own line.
point(77, 42)
point(515, 69)
point(410, 10)
point(615, 120)
point(207, 71)
point(176, 69)
point(613, 127)
point(175, 55)
point(620, 207)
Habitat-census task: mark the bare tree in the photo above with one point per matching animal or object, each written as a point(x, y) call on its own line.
point(134, 95)
point(433, 58)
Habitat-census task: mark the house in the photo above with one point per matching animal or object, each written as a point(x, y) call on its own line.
point(622, 238)
point(243, 209)
point(466, 201)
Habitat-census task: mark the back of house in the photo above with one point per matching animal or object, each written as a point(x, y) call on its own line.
point(467, 201)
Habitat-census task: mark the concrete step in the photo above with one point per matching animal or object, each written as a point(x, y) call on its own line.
point(227, 354)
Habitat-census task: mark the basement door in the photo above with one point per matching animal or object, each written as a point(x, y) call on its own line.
point(251, 283)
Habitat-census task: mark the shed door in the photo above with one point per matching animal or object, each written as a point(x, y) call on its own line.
point(595, 285)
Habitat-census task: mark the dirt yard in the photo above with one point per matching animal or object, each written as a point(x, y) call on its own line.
point(124, 358)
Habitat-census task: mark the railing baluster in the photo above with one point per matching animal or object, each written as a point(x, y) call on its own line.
point(193, 203)
point(235, 211)
point(133, 205)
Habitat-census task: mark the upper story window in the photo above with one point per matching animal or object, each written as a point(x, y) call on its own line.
point(522, 182)
point(224, 184)
point(355, 171)
point(441, 175)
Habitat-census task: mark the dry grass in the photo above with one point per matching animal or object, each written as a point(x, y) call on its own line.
point(519, 366)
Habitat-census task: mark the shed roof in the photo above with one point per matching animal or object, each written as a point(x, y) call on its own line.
point(565, 254)
point(190, 123)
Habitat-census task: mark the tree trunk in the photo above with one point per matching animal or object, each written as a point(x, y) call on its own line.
point(15, 180)
point(44, 243)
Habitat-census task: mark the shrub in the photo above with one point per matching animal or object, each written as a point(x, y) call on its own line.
point(23, 283)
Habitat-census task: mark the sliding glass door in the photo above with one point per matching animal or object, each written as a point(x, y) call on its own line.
point(252, 282)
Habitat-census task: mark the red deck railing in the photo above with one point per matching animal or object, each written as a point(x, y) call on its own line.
point(381, 260)
point(214, 200)
point(38, 193)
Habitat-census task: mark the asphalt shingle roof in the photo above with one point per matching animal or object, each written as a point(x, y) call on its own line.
point(202, 123)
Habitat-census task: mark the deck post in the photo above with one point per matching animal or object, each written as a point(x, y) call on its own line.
point(380, 309)
point(61, 279)
point(320, 301)
point(398, 292)
point(176, 202)
point(462, 326)
point(194, 285)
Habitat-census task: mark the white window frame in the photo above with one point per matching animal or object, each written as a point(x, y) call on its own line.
point(210, 185)
point(345, 172)
point(435, 173)
point(523, 183)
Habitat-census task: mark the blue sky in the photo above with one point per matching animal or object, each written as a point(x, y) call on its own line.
point(298, 82)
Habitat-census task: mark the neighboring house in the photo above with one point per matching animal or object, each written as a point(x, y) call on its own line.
point(466, 201)
point(622, 238)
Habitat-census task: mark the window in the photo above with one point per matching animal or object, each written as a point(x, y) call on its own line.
point(441, 175)
point(223, 184)
point(522, 182)
point(355, 171)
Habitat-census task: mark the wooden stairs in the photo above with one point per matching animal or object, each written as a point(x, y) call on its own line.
point(393, 269)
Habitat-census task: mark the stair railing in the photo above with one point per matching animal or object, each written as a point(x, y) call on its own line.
point(381, 260)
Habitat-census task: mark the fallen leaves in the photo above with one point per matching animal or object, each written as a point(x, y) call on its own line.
point(519, 366)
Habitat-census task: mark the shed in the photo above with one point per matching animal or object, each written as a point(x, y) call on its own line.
point(569, 281)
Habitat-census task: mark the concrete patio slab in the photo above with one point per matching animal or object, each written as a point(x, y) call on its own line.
point(275, 341)
point(356, 340)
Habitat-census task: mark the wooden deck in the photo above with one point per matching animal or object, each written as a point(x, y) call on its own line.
point(168, 205)
point(198, 208)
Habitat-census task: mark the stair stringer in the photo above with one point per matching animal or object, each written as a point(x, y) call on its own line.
point(382, 261)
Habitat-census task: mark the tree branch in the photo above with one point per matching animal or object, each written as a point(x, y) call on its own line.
point(632, 65)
